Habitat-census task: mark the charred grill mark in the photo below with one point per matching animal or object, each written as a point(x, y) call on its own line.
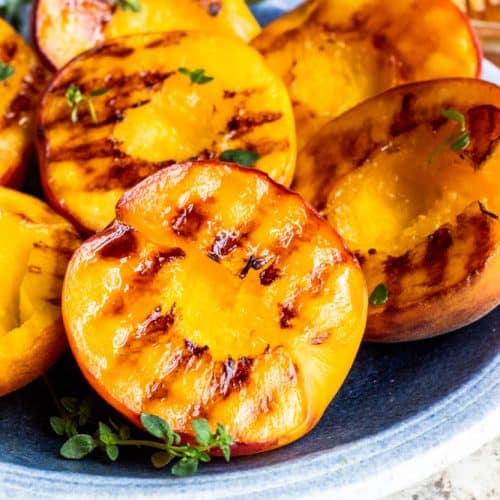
point(235, 375)
point(119, 242)
point(125, 83)
point(126, 173)
point(153, 263)
point(185, 357)
point(230, 94)
point(154, 79)
point(65, 252)
point(113, 50)
point(485, 211)
point(155, 325)
point(436, 255)
point(117, 113)
point(480, 226)
point(476, 227)
point(382, 43)
point(356, 144)
point(405, 120)
point(156, 390)
point(170, 38)
point(269, 275)
point(395, 269)
point(267, 146)
point(225, 242)
point(194, 349)
point(88, 150)
point(24, 217)
point(116, 116)
point(204, 154)
point(359, 257)
point(484, 128)
point(9, 49)
point(287, 313)
point(22, 103)
point(245, 122)
point(27, 98)
point(253, 263)
point(188, 221)
point(139, 104)
point(440, 121)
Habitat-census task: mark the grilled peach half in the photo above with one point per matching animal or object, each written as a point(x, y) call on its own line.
point(335, 54)
point(216, 293)
point(420, 210)
point(62, 29)
point(170, 98)
point(36, 247)
point(22, 79)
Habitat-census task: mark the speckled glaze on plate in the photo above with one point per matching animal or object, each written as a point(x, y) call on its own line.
point(404, 412)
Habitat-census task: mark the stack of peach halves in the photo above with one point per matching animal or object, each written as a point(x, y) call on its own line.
point(209, 289)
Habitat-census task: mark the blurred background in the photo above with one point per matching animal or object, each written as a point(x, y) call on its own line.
point(486, 20)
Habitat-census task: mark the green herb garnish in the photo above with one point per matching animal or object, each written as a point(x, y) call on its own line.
point(240, 156)
point(458, 140)
point(6, 71)
point(487, 212)
point(130, 5)
point(196, 76)
point(76, 418)
point(379, 296)
point(75, 97)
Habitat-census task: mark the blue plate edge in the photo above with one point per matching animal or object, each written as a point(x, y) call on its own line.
point(317, 475)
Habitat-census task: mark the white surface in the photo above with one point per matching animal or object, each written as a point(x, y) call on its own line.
point(476, 477)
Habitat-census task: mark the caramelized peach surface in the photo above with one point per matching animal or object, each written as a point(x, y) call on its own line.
point(216, 293)
point(36, 247)
point(63, 29)
point(153, 114)
point(423, 224)
point(333, 55)
point(19, 95)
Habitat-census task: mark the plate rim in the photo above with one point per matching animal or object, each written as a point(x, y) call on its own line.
point(466, 427)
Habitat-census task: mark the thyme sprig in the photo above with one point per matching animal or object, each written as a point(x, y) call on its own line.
point(75, 98)
point(197, 76)
point(130, 5)
point(6, 71)
point(76, 421)
point(458, 140)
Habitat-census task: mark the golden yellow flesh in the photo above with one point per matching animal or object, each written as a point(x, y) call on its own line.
point(153, 115)
point(65, 29)
point(18, 99)
point(36, 247)
point(333, 55)
point(423, 222)
point(412, 202)
point(165, 280)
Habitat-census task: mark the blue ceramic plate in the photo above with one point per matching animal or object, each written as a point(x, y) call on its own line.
point(404, 412)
